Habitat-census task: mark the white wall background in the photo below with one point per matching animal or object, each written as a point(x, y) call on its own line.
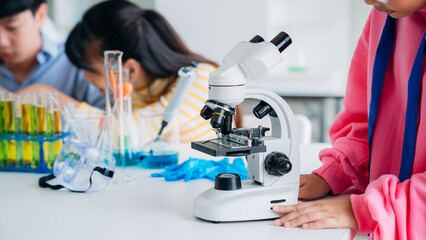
point(324, 36)
point(213, 27)
point(324, 33)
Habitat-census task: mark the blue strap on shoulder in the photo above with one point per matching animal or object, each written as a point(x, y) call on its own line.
point(381, 61)
point(383, 54)
point(411, 116)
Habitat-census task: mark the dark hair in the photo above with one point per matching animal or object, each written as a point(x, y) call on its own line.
point(143, 35)
point(12, 7)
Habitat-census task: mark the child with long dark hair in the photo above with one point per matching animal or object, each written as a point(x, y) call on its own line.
point(152, 51)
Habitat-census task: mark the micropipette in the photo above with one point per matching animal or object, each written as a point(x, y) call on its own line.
point(187, 76)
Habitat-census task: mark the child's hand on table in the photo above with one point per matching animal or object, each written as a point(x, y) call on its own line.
point(312, 186)
point(331, 213)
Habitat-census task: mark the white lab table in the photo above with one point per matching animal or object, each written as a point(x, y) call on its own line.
point(144, 208)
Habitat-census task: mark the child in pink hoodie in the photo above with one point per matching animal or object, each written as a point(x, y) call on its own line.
point(379, 139)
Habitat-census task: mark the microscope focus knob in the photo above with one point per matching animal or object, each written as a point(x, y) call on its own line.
point(277, 164)
point(227, 181)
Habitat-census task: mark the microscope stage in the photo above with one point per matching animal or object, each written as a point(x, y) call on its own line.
point(215, 147)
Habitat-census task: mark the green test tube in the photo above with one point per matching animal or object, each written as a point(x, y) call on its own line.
point(18, 133)
point(26, 155)
point(41, 103)
point(3, 160)
point(9, 124)
point(35, 147)
point(57, 121)
point(49, 147)
point(50, 153)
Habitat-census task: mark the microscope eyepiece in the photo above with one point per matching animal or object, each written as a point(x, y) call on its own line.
point(257, 39)
point(281, 41)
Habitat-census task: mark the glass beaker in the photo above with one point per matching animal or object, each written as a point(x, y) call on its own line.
point(86, 127)
point(157, 151)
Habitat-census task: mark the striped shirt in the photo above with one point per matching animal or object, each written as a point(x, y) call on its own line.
point(152, 100)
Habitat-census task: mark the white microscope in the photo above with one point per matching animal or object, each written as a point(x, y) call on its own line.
point(272, 161)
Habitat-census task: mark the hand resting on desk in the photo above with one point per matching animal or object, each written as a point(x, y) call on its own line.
point(330, 213)
point(312, 186)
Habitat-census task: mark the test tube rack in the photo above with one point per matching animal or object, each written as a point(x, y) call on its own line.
point(18, 164)
point(30, 131)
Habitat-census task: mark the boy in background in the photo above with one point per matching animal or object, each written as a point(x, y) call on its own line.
point(32, 62)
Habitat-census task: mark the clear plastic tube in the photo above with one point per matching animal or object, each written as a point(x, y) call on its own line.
point(114, 83)
point(40, 104)
point(23, 123)
point(3, 160)
point(35, 161)
point(9, 120)
point(129, 130)
point(53, 127)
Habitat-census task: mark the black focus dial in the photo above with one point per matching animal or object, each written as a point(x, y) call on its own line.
point(277, 164)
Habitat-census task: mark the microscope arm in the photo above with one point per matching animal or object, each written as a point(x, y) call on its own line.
point(283, 139)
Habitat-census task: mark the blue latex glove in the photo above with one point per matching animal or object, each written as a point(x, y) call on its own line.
point(194, 168)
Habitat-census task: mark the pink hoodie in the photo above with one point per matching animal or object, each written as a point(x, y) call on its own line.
point(388, 209)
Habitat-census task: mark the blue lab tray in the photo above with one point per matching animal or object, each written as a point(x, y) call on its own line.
point(41, 139)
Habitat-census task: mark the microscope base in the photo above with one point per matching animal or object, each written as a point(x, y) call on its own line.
point(251, 202)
